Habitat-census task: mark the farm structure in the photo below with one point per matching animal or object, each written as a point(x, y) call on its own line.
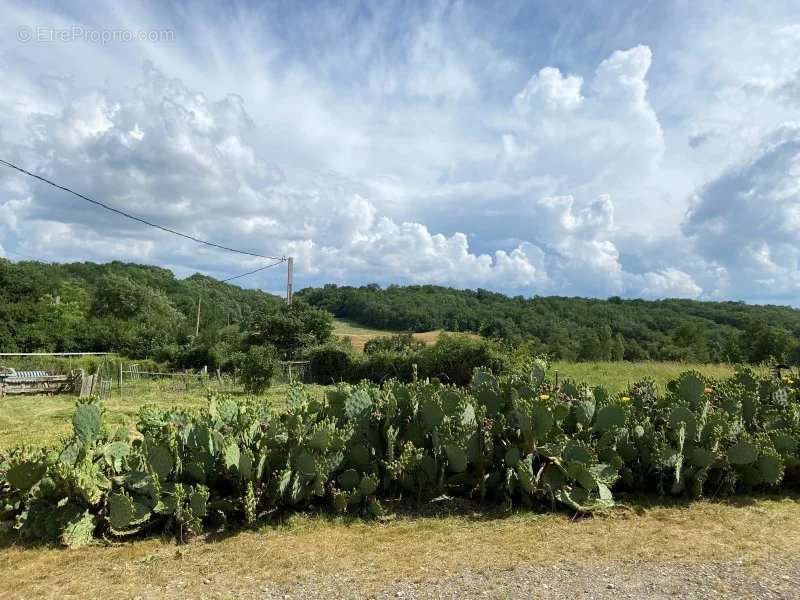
point(38, 381)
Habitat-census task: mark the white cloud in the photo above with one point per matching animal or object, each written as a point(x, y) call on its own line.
point(189, 166)
point(666, 283)
point(748, 220)
point(448, 144)
point(549, 90)
point(604, 139)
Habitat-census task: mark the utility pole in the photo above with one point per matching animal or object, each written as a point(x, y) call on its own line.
point(197, 325)
point(289, 279)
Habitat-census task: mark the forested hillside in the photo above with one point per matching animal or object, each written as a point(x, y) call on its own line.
point(133, 309)
point(145, 311)
point(578, 328)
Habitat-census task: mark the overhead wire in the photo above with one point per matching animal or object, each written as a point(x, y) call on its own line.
point(135, 218)
point(276, 263)
point(278, 259)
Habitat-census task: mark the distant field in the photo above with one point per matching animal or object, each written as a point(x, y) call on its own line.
point(617, 376)
point(360, 335)
point(43, 420)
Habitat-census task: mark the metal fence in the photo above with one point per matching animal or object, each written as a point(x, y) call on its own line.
point(132, 377)
point(109, 375)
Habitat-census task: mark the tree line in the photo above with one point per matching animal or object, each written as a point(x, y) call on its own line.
point(146, 312)
point(578, 328)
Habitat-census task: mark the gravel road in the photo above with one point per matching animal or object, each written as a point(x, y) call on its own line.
point(618, 580)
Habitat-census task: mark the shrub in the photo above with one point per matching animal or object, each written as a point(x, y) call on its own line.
point(380, 366)
point(331, 363)
point(258, 368)
point(453, 358)
point(401, 342)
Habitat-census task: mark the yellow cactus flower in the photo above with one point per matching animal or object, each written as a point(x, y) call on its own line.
point(626, 398)
point(544, 397)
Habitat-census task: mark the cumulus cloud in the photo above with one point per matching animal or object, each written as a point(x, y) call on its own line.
point(549, 90)
point(748, 219)
point(445, 144)
point(589, 136)
point(171, 155)
point(665, 283)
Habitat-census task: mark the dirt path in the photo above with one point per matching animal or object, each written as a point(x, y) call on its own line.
point(613, 581)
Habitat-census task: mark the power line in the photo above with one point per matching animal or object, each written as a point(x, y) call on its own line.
point(140, 220)
point(277, 262)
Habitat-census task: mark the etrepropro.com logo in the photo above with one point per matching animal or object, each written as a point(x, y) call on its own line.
point(48, 35)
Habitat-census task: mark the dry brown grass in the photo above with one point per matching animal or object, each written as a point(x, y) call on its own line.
point(368, 556)
point(359, 335)
point(359, 340)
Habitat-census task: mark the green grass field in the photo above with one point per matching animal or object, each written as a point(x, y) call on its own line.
point(617, 376)
point(45, 419)
point(345, 327)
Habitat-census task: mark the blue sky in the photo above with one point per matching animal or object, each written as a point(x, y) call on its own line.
point(642, 149)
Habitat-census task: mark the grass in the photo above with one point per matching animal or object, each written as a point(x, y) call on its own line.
point(43, 420)
point(360, 335)
point(617, 376)
point(362, 557)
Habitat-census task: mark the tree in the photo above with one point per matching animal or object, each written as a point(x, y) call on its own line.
point(618, 348)
point(291, 329)
point(258, 368)
point(692, 336)
point(762, 342)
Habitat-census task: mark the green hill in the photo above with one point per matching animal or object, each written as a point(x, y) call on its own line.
point(577, 328)
point(143, 311)
point(133, 309)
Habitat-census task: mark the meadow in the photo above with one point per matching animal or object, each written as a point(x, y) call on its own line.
point(38, 420)
point(360, 335)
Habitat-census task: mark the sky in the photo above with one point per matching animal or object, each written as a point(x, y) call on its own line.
point(627, 148)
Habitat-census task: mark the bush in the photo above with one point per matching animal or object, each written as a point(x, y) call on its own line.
point(453, 358)
point(258, 368)
point(401, 342)
point(380, 366)
point(332, 363)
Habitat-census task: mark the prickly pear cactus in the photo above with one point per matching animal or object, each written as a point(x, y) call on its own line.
point(514, 438)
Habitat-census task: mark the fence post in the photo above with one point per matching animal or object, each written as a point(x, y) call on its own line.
point(120, 379)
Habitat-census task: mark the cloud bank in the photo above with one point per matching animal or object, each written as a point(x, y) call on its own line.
point(449, 157)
